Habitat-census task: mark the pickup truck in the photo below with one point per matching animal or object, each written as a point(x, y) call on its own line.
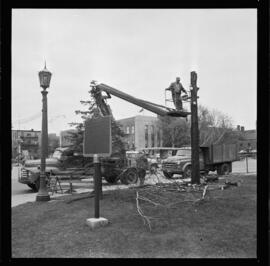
point(60, 160)
point(216, 157)
point(113, 168)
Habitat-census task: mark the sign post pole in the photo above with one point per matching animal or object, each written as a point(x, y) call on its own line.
point(97, 143)
point(97, 177)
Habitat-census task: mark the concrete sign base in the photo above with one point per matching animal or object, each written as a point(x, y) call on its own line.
point(97, 222)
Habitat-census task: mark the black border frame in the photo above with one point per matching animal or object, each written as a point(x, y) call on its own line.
point(263, 97)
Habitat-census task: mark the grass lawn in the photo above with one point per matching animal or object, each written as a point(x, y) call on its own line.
point(221, 226)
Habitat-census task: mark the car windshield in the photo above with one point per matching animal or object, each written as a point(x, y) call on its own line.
point(183, 152)
point(57, 154)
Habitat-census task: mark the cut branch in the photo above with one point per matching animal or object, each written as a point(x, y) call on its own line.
point(145, 218)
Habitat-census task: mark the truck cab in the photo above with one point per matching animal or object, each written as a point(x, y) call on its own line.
point(61, 158)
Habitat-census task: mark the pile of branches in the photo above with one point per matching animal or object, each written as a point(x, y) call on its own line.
point(154, 196)
point(195, 194)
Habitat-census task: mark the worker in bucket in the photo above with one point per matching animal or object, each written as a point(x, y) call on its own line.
point(176, 88)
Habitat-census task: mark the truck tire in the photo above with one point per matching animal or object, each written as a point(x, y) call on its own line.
point(187, 172)
point(168, 175)
point(33, 187)
point(36, 185)
point(111, 179)
point(130, 176)
point(224, 169)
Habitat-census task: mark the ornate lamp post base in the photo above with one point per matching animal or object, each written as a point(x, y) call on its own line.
point(42, 194)
point(43, 197)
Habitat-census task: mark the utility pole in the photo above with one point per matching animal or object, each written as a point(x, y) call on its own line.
point(195, 175)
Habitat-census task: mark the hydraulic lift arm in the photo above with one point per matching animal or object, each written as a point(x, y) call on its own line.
point(105, 109)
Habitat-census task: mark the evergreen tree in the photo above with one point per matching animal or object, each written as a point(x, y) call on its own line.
point(93, 111)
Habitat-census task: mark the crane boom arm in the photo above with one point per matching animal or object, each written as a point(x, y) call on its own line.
point(155, 108)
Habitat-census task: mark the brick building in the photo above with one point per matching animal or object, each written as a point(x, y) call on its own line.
point(30, 142)
point(248, 138)
point(141, 132)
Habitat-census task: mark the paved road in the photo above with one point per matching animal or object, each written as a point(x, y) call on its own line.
point(240, 166)
point(22, 193)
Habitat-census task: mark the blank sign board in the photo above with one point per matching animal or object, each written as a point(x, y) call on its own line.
point(97, 137)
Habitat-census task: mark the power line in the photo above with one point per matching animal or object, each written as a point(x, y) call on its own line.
point(28, 119)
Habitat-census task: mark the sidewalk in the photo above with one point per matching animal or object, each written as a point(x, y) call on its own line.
point(88, 187)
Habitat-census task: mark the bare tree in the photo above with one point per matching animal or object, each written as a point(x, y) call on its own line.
point(175, 131)
point(213, 125)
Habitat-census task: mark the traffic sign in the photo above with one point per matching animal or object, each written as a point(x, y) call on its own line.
point(97, 137)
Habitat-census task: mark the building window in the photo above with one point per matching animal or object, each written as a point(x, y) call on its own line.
point(132, 130)
point(158, 138)
point(146, 136)
point(153, 136)
point(127, 130)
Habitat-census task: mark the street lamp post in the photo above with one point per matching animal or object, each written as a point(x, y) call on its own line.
point(44, 79)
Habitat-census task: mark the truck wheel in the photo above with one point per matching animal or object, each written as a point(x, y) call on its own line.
point(33, 187)
point(187, 172)
point(224, 169)
point(37, 182)
point(168, 175)
point(130, 176)
point(111, 179)
point(36, 185)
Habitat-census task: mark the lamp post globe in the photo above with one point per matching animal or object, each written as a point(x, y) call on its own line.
point(44, 79)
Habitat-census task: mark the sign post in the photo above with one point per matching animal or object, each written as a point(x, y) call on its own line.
point(97, 142)
point(98, 186)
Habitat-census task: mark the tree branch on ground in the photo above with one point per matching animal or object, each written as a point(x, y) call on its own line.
point(145, 218)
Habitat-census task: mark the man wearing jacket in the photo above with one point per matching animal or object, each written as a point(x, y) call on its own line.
point(176, 88)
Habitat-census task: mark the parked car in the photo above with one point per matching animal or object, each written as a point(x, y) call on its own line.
point(247, 153)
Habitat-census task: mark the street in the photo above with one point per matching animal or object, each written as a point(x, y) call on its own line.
point(21, 193)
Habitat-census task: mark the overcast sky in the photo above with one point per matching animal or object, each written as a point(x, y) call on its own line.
point(138, 51)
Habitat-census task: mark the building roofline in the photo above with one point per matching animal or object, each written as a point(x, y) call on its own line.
point(26, 130)
point(133, 117)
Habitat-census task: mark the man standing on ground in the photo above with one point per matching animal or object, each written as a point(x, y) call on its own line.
point(176, 88)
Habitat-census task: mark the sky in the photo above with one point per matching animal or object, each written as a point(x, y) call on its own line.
point(137, 51)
